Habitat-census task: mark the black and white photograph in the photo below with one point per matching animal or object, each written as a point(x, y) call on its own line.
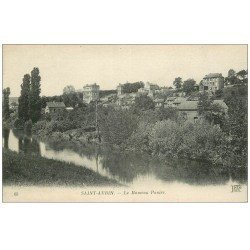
point(124, 123)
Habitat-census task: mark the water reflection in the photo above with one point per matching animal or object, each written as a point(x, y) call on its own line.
point(26, 143)
point(127, 168)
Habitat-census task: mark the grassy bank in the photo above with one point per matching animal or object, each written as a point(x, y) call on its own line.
point(21, 169)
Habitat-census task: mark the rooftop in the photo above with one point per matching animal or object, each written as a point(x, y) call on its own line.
point(188, 105)
point(91, 85)
point(213, 75)
point(158, 100)
point(193, 105)
point(55, 105)
point(172, 98)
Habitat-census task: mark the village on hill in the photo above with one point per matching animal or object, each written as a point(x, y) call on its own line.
point(188, 120)
point(185, 100)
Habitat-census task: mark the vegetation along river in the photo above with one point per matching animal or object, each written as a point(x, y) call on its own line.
point(128, 168)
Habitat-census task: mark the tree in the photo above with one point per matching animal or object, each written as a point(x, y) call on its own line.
point(132, 87)
point(218, 93)
point(69, 89)
point(6, 107)
point(189, 86)
point(242, 76)
point(236, 100)
point(23, 100)
point(212, 112)
point(34, 97)
point(216, 115)
point(71, 99)
point(167, 113)
point(231, 78)
point(231, 73)
point(204, 103)
point(177, 83)
point(143, 103)
point(117, 126)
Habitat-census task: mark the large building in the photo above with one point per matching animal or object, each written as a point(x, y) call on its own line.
point(212, 82)
point(91, 92)
point(149, 89)
point(54, 107)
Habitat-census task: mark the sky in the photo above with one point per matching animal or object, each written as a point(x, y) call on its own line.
point(109, 65)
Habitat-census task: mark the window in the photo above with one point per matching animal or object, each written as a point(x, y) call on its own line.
point(195, 119)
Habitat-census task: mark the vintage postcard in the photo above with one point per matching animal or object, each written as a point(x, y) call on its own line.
point(124, 123)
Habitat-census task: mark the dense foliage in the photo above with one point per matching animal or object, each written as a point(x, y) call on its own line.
point(6, 107)
point(177, 82)
point(82, 117)
point(132, 87)
point(219, 138)
point(35, 106)
point(104, 93)
point(23, 100)
point(142, 103)
point(236, 100)
point(200, 141)
point(117, 126)
point(189, 86)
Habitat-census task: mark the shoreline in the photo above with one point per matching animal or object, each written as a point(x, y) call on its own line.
point(22, 169)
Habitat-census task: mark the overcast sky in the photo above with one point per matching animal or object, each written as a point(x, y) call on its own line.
point(109, 65)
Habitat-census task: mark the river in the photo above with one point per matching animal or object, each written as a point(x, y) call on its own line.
point(130, 169)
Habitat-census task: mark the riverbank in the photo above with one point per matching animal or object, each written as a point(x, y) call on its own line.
point(22, 169)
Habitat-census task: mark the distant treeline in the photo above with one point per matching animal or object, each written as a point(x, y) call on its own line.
point(104, 93)
point(132, 87)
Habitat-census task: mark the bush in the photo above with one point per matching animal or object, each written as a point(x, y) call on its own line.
point(200, 141)
point(117, 126)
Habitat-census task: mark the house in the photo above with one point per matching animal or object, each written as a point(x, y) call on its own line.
point(177, 101)
point(149, 89)
point(190, 109)
point(212, 82)
point(91, 93)
point(150, 86)
point(142, 91)
point(159, 102)
point(169, 102)
point(54, 107)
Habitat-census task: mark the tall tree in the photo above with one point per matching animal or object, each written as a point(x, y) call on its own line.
point(34, 98)
point(231, 73)
point(177, 82)
point(242, 76)
point(231, 78)
point(236, 100)
point(69, 89)
point(189, 86)
point(6, 107)
point(143, 103)
point(23, 100)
